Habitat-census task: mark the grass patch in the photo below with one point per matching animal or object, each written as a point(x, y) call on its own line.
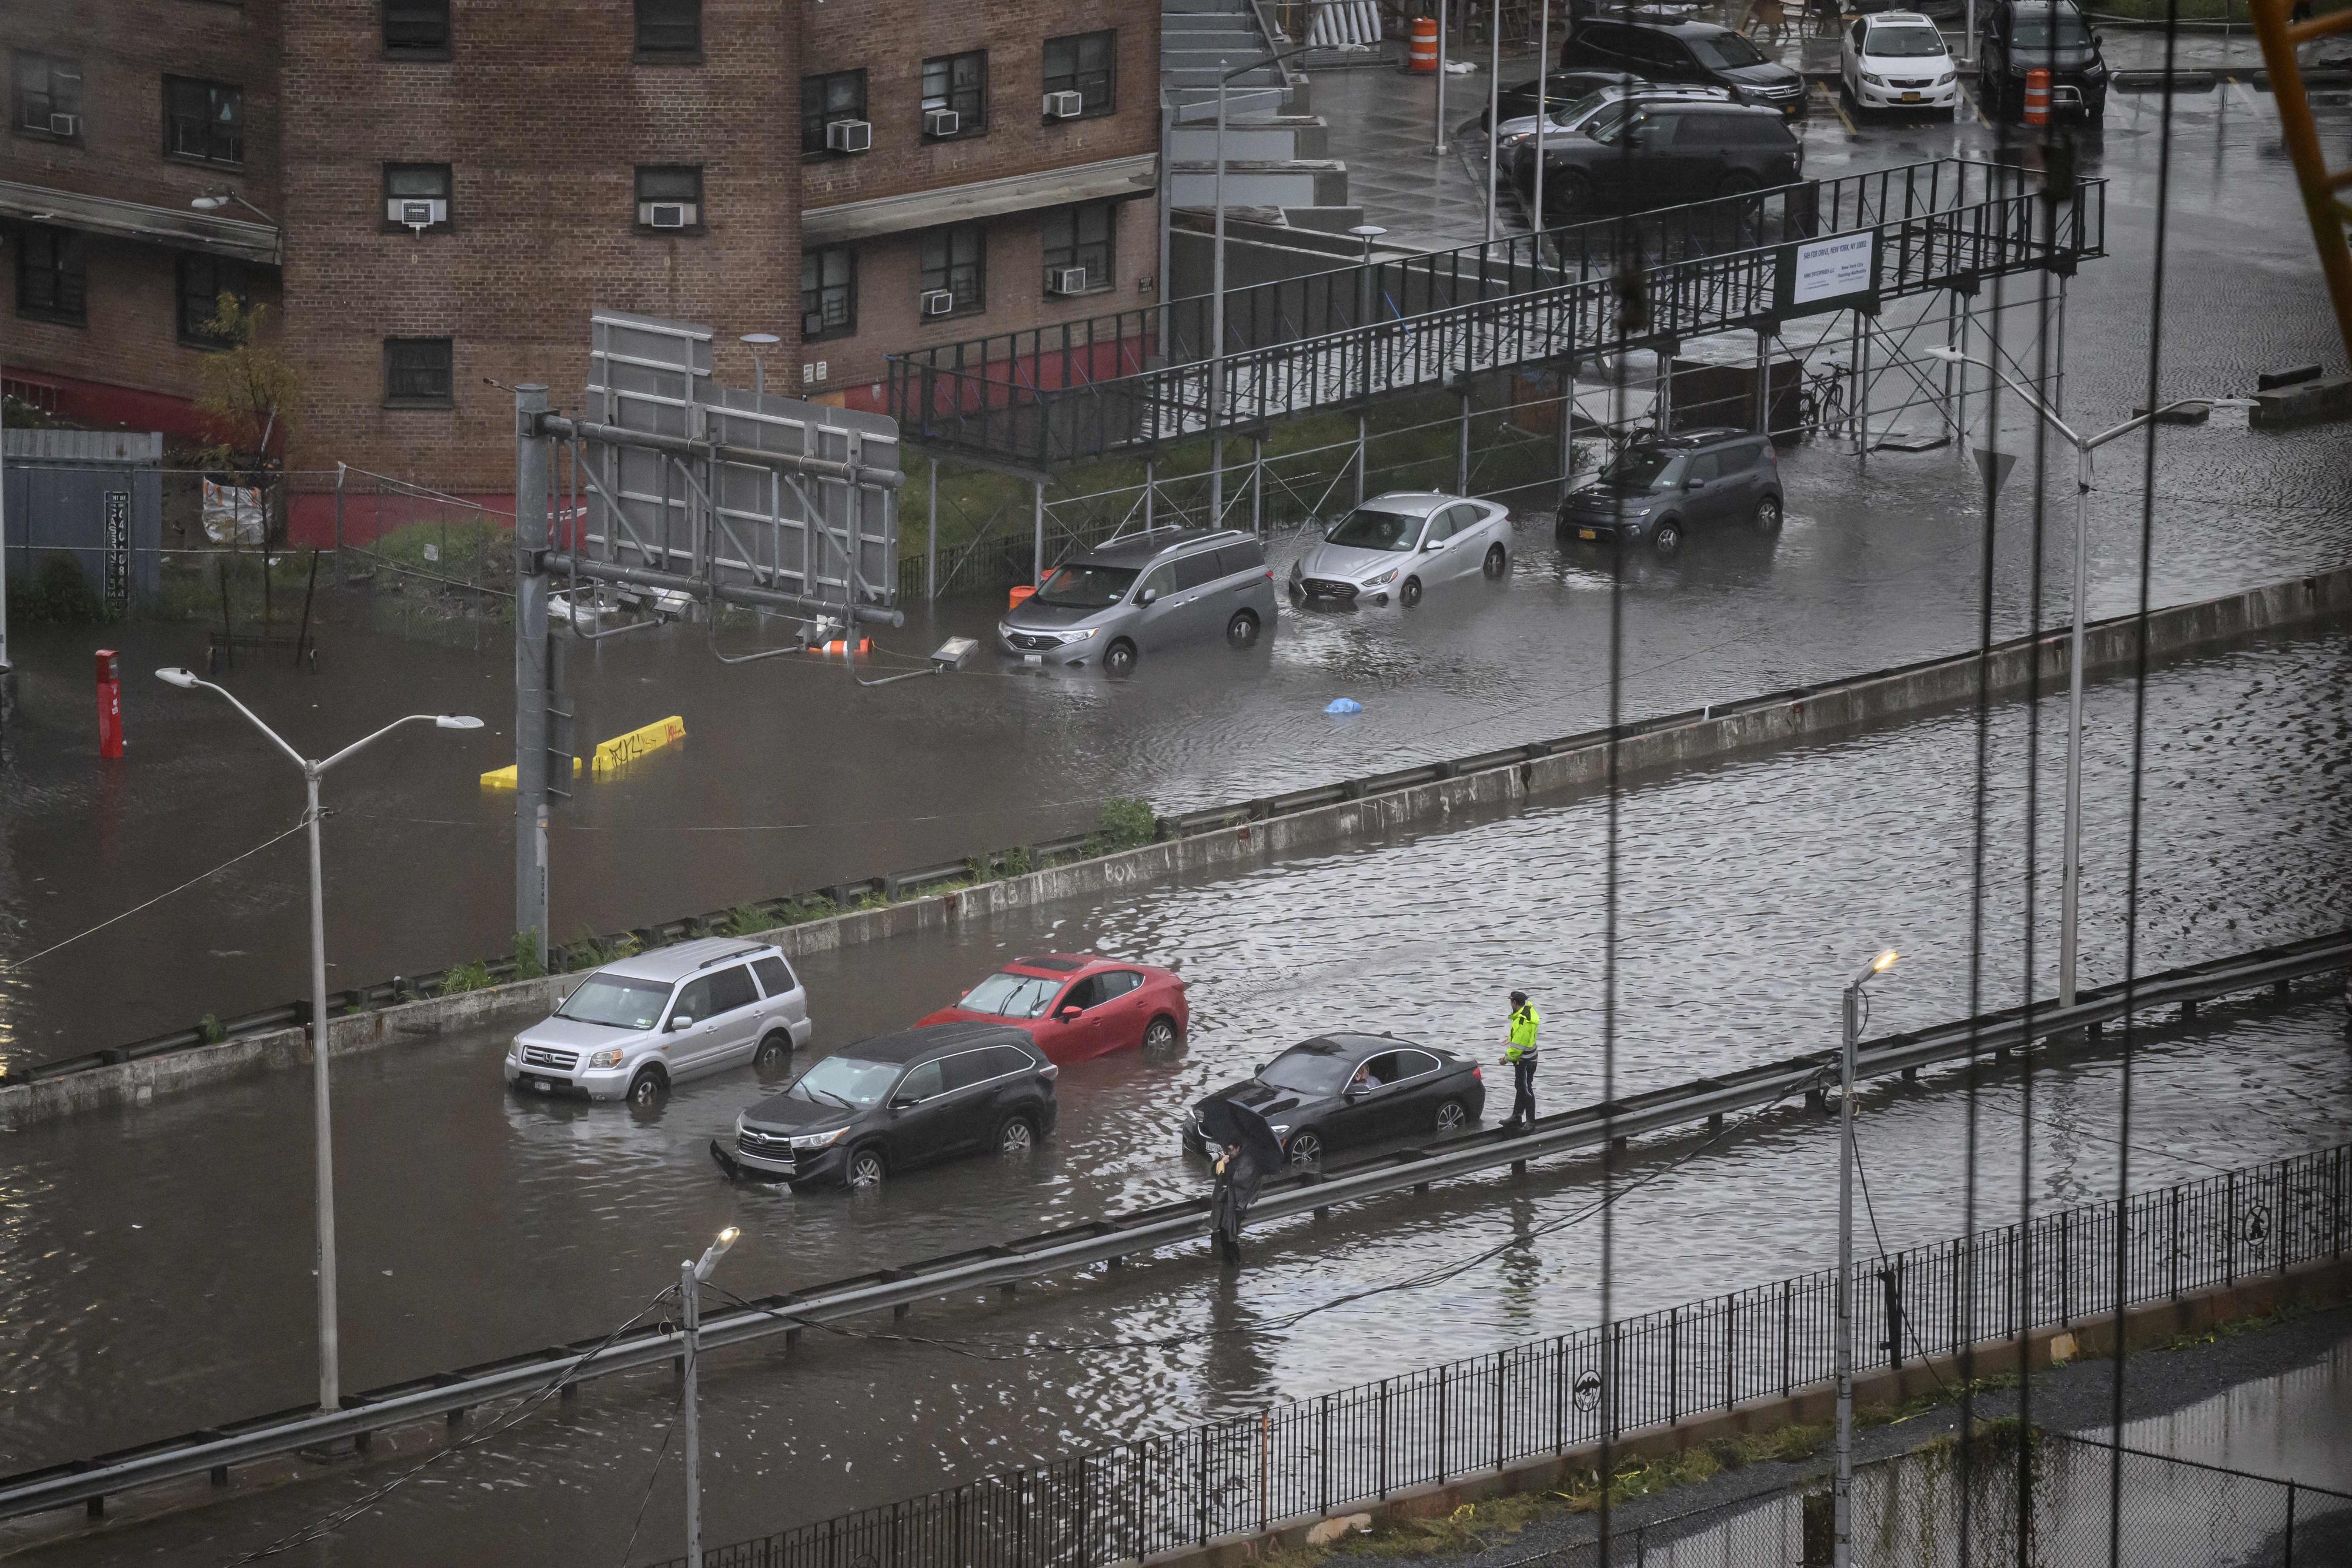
point(526, 956)
point(2232, 1328)
point(189, 587)
point(56, 592)
point(473, 977)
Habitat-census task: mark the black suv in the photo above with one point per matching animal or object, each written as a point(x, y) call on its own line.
point(1666, 152)
point(1696, 52)
point(900, 1101)
point(1660, 491)
point(2021, 35)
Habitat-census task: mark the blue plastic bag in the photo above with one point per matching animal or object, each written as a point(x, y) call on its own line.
point(1345, 705)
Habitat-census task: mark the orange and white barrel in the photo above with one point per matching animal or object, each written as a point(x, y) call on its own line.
point(2037, 97)
point(1421, 53)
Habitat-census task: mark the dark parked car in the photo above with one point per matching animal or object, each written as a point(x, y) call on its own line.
point(2021, 35)
point(1561, 89)
point(1339, 1090)
point(1660, 491)
point(900, 1101)
point(1697, 52)
point(1667, 154)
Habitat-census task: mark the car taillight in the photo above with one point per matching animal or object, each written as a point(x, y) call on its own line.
point(1476, 1074)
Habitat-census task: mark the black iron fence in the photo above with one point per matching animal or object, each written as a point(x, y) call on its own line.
point(1323, 1455)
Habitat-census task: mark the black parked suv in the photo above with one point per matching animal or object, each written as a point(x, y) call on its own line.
point(2021, 35)
point(1666, 152)
point(1339, 1090)
point(897, 1101)
point(1699, 53)
point(1661, 490)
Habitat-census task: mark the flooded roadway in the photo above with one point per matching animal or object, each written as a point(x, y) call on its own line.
point(792, 778)
point(159, 1257)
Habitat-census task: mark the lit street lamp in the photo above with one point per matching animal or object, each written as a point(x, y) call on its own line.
point(689, 1296)
point(2071, 876)
point(1842, 1498)
point(329, 1392)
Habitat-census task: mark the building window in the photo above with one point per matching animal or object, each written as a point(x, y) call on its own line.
point(52, 277)
point(956, 259)
point(1085, 64)
point(203, 280)
point(203, 120)
point(405, 184)
point(957, 83)
point(823, 100)
point(670, 31)
point(417, 372)
point(828, 293)
point(416, 29)
point(49, 96)
point(670, 198)
point(1081, 237)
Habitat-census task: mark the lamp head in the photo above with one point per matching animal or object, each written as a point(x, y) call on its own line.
point(176, 676)
point(1368, 231)
point(1947, 353)
point(1884, 962)
point(209, 203)
point(715, 1251)
point(759, 339)
point(455, 721)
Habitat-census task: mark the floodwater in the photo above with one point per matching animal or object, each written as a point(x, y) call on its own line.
point(792, 778)
point(473, 1222)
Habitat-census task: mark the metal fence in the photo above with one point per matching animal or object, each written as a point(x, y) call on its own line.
point(1323, 1455)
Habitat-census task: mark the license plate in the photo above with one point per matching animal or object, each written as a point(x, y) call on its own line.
point(1910, 98)
point(1587, 534)
point(1033, 658)
point(545, 1086)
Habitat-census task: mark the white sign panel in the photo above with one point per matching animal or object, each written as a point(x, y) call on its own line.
point(1833, 268)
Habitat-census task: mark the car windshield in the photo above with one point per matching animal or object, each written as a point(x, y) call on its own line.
point(1011, 996)
point(1644, 468)
point(846, 1081)
point(1302, 1070)
point(1082, 587)
point(1905, 43)
point(1729, 52)
point(2034, 31)
point(615, 1001)
point(1369, 528)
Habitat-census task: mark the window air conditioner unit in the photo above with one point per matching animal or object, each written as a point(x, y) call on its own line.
point(941, 122)
point(414, 211)
point(938, 302)
point(1066, 280)
point(65, 125)
point(849, 136)
point(666, 214)
point(1065, 105)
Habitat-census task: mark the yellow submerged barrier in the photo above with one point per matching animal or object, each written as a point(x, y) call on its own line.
point(611, 754)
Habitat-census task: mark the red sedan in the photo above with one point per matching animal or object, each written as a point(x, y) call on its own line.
point(1078, 1005)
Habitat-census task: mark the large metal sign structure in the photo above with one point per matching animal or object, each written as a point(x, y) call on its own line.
point(705, 494)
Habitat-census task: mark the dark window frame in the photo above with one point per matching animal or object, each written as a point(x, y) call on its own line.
point(814, 122)
point(211, 121)
point(20, 122)
point(66, 269)
point(639, 199)
point(675, 50)
point(813, 300)
point(1075, 253)
point(449, 194)
point(226, 277)
point(928, 277)
point(426, 21)
point(393, 397)
point(974, 120)
point(1075, 77)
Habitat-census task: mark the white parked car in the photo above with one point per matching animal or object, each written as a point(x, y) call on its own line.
point(1896, 59)
point(639, 1025)
point(1403, 543)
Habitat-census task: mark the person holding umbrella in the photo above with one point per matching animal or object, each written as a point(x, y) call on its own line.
point(1251, 1153)
point(1519, 1054)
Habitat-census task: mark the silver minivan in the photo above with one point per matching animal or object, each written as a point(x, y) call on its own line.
point(1153, 590)
point(641, 1024)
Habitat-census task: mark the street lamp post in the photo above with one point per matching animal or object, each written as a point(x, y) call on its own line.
point(1843, 1496)
point(756, 341)
point(1367, 233)
point(689, 1297)
point(330, 1377)
point(2071, 875)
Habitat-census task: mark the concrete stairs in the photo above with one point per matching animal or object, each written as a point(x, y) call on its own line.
point(1276, 152)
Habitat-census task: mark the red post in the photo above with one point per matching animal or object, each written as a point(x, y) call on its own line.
point(110, 705)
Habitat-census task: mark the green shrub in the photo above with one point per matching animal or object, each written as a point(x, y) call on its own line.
point(209, 1026)
point(526, 956)
point(56, 594)
point(473, 977)
point(1016, 863)
point(1126, 822)
point(745, 920)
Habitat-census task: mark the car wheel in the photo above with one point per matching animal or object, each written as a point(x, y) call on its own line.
point(1242, 630)
point(1567, 194)
point(1409, 592)
point(1452, 1117)
point(1666, 538)
point(1739, 183)
point(1767, 515)
point(775, 1049)
point(1297, 594)
point(1015, 1138)
point(1159, 1039)
point(867, 1168)
point(1118, 660)
point(648, 1087)
point(1305, 1149)
point(1498, 561)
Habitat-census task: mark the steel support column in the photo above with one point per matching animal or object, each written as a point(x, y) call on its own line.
point(534, 459)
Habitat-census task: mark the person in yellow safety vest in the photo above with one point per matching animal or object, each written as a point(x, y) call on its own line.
point(1520, 1052)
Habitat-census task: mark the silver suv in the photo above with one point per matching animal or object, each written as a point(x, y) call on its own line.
point(639, 1025)
point(1147, 591)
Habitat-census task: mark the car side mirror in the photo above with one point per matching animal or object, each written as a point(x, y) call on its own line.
point(1693, 482)
point(1070, 1012)
point(1145, 596)
point(904, 1103)
point(680, 1020)
point(1358, 1091)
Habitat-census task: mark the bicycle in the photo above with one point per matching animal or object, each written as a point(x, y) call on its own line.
point(1821, 402)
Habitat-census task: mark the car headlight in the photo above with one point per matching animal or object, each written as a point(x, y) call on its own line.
point(514, 1048)
point(1080, 636)
point(1948, 78)
point(1388, 576)
point(605, 1059)
point(1874, 80)
point(1004, 631)
point(819, 1139)
point(1279, 1129)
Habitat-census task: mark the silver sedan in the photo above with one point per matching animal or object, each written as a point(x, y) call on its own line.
point(1403, 543)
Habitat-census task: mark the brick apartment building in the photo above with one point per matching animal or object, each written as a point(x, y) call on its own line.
point(434, 192)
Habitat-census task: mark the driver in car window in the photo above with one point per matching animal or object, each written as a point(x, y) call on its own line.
point(1365, 1078)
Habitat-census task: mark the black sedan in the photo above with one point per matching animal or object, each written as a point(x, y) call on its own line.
point(1340, 1091)
point(903, 1099)
point(1561, 89)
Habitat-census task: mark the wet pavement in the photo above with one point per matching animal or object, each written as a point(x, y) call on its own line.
point(158, 1257)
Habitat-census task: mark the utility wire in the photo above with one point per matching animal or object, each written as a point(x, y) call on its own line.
point(651, 1476)
point(113, 919)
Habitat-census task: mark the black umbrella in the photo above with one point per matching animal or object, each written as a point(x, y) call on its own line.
point(1229, 1125)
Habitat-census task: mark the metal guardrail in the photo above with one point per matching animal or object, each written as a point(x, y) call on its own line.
point(1143, 1230)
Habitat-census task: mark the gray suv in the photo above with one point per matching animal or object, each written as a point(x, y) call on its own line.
point(1660, 491)
point(1149, 590)
point(640, 1024)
